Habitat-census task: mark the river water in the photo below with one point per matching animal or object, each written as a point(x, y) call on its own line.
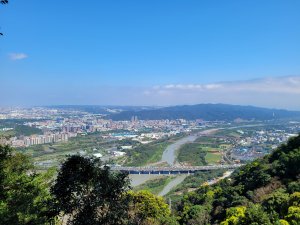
point(173, 183)
point(169, 156)
point(170, 153)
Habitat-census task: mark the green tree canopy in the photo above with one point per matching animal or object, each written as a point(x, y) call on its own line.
point(87, 193)
point(147, 208)
point(23, 192)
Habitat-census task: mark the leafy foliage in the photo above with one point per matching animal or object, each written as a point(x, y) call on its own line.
point(265, 191)
point(143, 154)
point(147, 208)
point(85, 193)
point(253, 175)
point(155, 186)
point(22, 192)
point(234, 215)
point(193, 154)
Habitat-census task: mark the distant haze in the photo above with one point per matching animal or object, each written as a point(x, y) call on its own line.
point(279, 92)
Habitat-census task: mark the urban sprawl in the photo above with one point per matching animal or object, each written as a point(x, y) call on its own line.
point(59, 125)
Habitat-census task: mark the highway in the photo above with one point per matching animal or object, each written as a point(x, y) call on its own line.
point(172, 169)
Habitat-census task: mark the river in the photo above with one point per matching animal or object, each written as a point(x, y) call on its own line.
point(173, 183)
point(171, 152)
point(169, 155)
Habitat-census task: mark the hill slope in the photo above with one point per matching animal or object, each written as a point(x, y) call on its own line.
point(266, 191)
point(209, 112)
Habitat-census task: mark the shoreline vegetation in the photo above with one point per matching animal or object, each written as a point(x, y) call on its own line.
point(155, 185)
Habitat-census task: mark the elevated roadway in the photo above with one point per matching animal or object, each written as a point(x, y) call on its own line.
point(172, 169)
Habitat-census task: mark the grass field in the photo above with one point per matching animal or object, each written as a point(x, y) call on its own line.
point(149, 153)
point(205, 150)
point(146, 154)
point(156, 185)
point(213, 157)
point(228, 133)
point(56, 152)
point(192, 154)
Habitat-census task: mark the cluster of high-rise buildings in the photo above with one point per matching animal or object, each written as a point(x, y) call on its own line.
point(61, 125)
point(40, 139)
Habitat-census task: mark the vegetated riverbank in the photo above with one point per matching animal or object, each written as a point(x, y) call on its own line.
point(205, 150)
point(173, 183)
point(157, 182)
point(192, 154)
point(172, 151)
point(192, 182)
point(145, 154)
point(155, 185)
point(151, 153)
point(170, 156)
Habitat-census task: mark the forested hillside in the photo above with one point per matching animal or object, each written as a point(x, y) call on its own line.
point(211, 112)
point(263, 192)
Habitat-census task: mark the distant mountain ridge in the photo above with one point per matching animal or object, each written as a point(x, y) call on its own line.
point(209, 112)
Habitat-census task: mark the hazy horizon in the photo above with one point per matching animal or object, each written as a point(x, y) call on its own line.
point(138, 106)
point(278, 93)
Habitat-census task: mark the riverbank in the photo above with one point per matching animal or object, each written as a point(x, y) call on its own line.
point(169, 157)
point(173, 183)
point(171, 152)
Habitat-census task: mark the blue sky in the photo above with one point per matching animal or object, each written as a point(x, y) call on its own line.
point(118, 52)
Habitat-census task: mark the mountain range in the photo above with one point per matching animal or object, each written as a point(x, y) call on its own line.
point(208, 112)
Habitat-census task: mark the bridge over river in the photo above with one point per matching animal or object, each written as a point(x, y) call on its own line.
point(172, 169)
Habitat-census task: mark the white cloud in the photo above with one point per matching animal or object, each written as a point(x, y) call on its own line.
point(278, 92)
point(18, 56)
point(212, 86)
point(189, 86)
point(272, 92)
point(274, 85)
point(287, 85)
